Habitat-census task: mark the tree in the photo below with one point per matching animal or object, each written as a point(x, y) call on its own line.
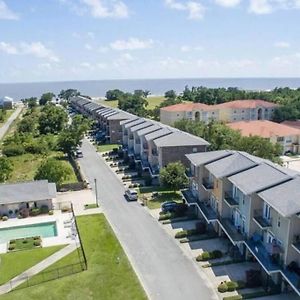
point(52, 119)
point(46, 98)
point(67, 94)
point(170, 95)
point(173, 176)
point(112, 95)
point(31, 102)
point(53, 170)
point(27, 124)
point(133, 103)
point(6, 169)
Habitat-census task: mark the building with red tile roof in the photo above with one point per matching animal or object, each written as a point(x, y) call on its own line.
point(285, 135)
point(232, 111)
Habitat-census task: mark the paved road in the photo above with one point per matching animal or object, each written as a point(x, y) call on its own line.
point(4, 128)
point(164, 271)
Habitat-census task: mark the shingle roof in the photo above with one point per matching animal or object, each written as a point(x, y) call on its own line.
point(134, 123)
point(294, 124)
point(258, 178)
point(149, 129)
point(202, 158)
point(102, 110)
point(141, 126)
point(263, 128)
point(27, 191)
point(156, 134)
point(284, 198)
point(129, 121)
point(232, 164)
point(179, 138)
point(120, 116)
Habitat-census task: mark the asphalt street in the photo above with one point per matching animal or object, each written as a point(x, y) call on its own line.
point(4, 128)
point(165, 272)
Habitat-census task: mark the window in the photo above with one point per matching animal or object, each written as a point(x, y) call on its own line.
point(280, 139)
point(278, 221)
point(267, 210)
point(270, 237)
point(195, 149)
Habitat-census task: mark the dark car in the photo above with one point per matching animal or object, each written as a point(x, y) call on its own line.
point(169, 206)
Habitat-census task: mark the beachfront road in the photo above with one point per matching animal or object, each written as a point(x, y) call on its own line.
point(163, 270)
point(4, 128)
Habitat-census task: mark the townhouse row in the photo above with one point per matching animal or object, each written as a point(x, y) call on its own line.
point(255, 204)
point(151, 143)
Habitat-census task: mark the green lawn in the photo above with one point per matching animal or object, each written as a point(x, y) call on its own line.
point(152, 102)
point(9, 112)
point(107, 147)
point(26, 165)
point(14, 263)
point(25, 243)
point(109, 275)
point(163, 196)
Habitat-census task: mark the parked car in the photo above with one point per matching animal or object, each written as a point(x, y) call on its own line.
point(131, 195)
point(79, 154)
point(169, 206)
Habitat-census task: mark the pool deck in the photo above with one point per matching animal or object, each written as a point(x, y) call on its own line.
point(64, 224)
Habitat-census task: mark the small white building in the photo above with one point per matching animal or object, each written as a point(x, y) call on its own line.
point(16, 197)
point(6, 102)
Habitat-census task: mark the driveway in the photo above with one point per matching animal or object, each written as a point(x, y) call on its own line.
point(163, 269)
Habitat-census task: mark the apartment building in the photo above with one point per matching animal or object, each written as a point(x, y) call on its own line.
point(286, 136)
point(254, 203)
point(233, 111)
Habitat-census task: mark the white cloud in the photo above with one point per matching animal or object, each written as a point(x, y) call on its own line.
point(103, 49)
point(228, 3)
point(195, 9)
point(6, 13)
point(186, 48)
point(36, 49)
point(282, 44)
point(107, 9)
point(8, 48)
point(86, 65)
point(260, 7)
point(91, 35)
point(88, 47)
point(131, 44)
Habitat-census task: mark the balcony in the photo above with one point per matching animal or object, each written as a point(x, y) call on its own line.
point(231, 231)
point(131, 136)
point(154, 153)
point(231, 201)
point(208, 185)
point(296, 242)
point(145, 146)
point(261, 221)
point(189, 173)
point(205, 209)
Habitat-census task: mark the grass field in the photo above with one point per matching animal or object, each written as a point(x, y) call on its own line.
point(26, 165)
point(152, 102)
point(109, 275)
point(14, 263)
point(163, 196)
point(9, 112)
point(107, 147)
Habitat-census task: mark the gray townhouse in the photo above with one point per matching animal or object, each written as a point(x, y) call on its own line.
point(255, 204)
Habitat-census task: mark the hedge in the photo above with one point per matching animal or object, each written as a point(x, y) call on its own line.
point(230, 286)
point(209, 255)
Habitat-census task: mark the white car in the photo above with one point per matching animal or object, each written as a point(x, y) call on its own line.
point(79, 154)
point(131, 194)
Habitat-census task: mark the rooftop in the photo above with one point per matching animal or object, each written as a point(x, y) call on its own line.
point(237, 104)
point(120, 116)
point(259, 178)
point(27, 191)
point(179, 138)
point(263, 128)
point(294, 124)
point(149, 129)
point(141, 126)
point(203, 158)
point(159, 133)
point(284, 198)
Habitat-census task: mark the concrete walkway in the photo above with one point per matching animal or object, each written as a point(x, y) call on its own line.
point(7, 287)
point(10, 120)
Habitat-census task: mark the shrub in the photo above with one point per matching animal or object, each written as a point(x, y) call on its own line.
point(232, 286)
point(13, 149)
point(11, 247)
point(235, 297)
point(34, 212)
point(4, 218)
point(222, 287)
point(217, 254)
point(37, 243)
point(36, 238)
point(12, 241)
point(50, 212)
point(44, 209)
point(25, 241)
point(24, 212)
point(181, 234)
point(163, 217)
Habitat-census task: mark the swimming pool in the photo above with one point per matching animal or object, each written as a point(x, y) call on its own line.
point(43, 230)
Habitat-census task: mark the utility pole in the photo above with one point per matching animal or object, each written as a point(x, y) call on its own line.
point(96, 191)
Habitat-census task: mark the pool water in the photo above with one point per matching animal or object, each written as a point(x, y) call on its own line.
point(43, 230)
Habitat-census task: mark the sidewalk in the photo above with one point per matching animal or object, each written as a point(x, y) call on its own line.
point(13, 283)
point(4, 128)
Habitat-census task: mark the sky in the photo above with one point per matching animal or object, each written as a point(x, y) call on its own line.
point(62, 40)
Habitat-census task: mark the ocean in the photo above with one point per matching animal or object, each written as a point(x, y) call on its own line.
point(98, 88)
